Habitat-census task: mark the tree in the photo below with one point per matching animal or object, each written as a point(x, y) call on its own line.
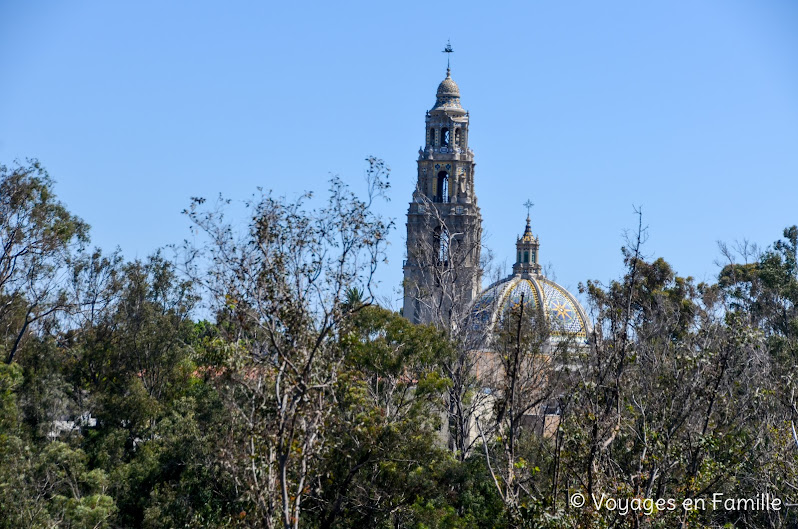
point(667, 402)
point(280, 290)
point(37, 237)
point(447, 277)
point(760, 290)
point(384, 426)
point(529, 361)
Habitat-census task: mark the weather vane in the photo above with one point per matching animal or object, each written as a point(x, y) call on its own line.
point(447, 50)
point(528, 204)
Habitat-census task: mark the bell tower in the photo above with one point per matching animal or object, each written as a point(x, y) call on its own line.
point(444, 226)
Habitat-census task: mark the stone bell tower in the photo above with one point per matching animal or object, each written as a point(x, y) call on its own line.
point(444, 227)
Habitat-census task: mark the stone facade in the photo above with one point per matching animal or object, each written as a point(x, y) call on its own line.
point(444, 225)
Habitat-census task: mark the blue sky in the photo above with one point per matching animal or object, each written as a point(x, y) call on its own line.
point(686, 108)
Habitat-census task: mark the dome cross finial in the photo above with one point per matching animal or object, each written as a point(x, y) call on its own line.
point(528, 204)
point(447, 50)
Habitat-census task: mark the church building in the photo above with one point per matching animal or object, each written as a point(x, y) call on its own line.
point(442, 274)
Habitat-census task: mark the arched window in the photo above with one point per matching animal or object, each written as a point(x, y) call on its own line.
point(456, 137)
point(432, 137)
point(442, 245)
point(519, 256)
point(526, 256)
point(442, 191)
point(445, 137)
point(534, 256)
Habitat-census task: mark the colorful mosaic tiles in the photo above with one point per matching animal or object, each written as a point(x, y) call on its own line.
point(512, 298)
point(563, 310)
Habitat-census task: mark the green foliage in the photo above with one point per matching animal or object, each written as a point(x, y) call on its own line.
point(10, 380)
point(37, 236)
point(383, 433)
point(300, 404)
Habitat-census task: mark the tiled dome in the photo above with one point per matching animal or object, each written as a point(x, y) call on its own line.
point(448, 95)
point(448, 88)
point(566, 315)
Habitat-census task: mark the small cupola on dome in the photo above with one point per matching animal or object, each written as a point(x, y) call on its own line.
point(528, 286)
point(448, 95)
point(527, 246)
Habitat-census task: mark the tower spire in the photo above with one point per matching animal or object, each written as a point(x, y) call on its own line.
point(447, 50)
point(444, 225)
point(528, 204)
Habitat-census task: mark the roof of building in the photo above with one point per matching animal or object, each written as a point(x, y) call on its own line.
point(565, 314)
point(527, 236)
point(448, 95)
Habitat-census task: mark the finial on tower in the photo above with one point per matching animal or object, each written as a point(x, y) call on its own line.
point(528, 204)
point(527, 248)
point(447, 50)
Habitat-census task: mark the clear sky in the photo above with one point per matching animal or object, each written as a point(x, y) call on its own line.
point(687, 108)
